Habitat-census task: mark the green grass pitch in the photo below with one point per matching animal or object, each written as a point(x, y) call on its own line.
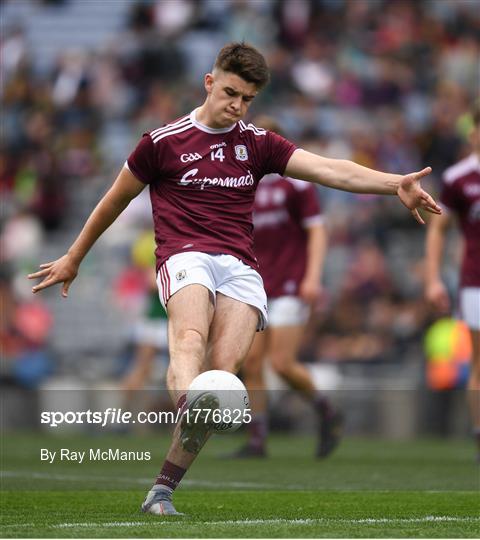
point(369, 488)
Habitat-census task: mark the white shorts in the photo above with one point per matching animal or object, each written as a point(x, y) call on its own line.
point(218, 273)
point(152, 332)
point(288, 311)
point(470, 306)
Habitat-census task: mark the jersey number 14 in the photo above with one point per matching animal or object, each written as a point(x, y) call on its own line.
point(217, 154)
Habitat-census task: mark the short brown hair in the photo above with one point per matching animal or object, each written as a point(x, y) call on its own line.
point(245, 61)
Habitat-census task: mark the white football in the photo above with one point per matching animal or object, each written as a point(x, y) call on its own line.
point(232, 395)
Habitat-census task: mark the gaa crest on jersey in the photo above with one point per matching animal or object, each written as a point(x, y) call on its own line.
point(186, 158)
point(181, 275)
point(241, 152)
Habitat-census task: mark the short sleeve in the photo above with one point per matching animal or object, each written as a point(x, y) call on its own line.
point(141, 161)
point(307, 203)
point(311, 211)
point(278, 151)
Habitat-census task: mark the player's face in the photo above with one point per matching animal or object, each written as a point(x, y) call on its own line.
point(229, 97)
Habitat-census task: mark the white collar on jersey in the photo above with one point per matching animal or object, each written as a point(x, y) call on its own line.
point(203, 127)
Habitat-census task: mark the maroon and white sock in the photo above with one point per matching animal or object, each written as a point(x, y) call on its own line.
point(257, 431)
point(170, 476)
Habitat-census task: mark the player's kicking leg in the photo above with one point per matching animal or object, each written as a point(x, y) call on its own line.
point(190, 312)
point(229, 330)
point(283, 350)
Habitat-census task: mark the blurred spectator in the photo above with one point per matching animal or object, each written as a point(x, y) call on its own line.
point(20, 239)
point(13, 52)
point(24, 334)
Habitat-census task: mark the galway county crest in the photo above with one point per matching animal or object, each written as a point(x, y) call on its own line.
point(241, 152)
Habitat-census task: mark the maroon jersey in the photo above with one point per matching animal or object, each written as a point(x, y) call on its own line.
point(202, 184)
point(461, 194)
point(283, 209)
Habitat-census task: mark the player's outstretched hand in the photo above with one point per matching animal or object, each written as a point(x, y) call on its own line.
point(414, 197)
point(63, 270)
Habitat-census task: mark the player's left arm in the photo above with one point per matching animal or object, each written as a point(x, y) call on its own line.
point(349, 176)
point(436, 292)
point(311, 285)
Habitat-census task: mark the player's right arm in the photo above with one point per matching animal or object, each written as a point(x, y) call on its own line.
point(65, 269)
point(311, 284)
point(435, 291)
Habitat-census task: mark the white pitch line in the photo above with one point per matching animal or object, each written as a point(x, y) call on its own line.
point(277, 521)
point(283, 521)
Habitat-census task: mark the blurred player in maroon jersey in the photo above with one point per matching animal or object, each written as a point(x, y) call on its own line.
point(202, 171)
point(461, 197)
point(290, 242)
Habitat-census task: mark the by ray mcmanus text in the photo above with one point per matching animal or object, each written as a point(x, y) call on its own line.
point(92, 454)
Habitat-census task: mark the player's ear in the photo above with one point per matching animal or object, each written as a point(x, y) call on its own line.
point(209, 80)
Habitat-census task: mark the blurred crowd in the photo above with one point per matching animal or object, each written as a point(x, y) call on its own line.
point(386, 83)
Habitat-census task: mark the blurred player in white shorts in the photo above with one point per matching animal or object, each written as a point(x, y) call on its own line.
point(149, 338)
point(461, 197)
point(150, 332)
point(290, 243)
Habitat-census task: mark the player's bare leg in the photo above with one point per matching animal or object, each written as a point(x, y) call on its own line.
point(190, 313)
point(134, 381)
point(252, 372)
point(284, 345)
point(474, 387)
point(253, 379)
point(194, 324)
point(141, 370)
point(238, 335)
point(231, 334)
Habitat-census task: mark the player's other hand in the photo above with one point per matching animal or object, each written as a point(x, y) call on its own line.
point(414, 197)
point(63, 270)
point(437, 295)
point(309, 290)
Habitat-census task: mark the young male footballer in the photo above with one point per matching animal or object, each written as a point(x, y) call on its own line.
point(202, 171)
